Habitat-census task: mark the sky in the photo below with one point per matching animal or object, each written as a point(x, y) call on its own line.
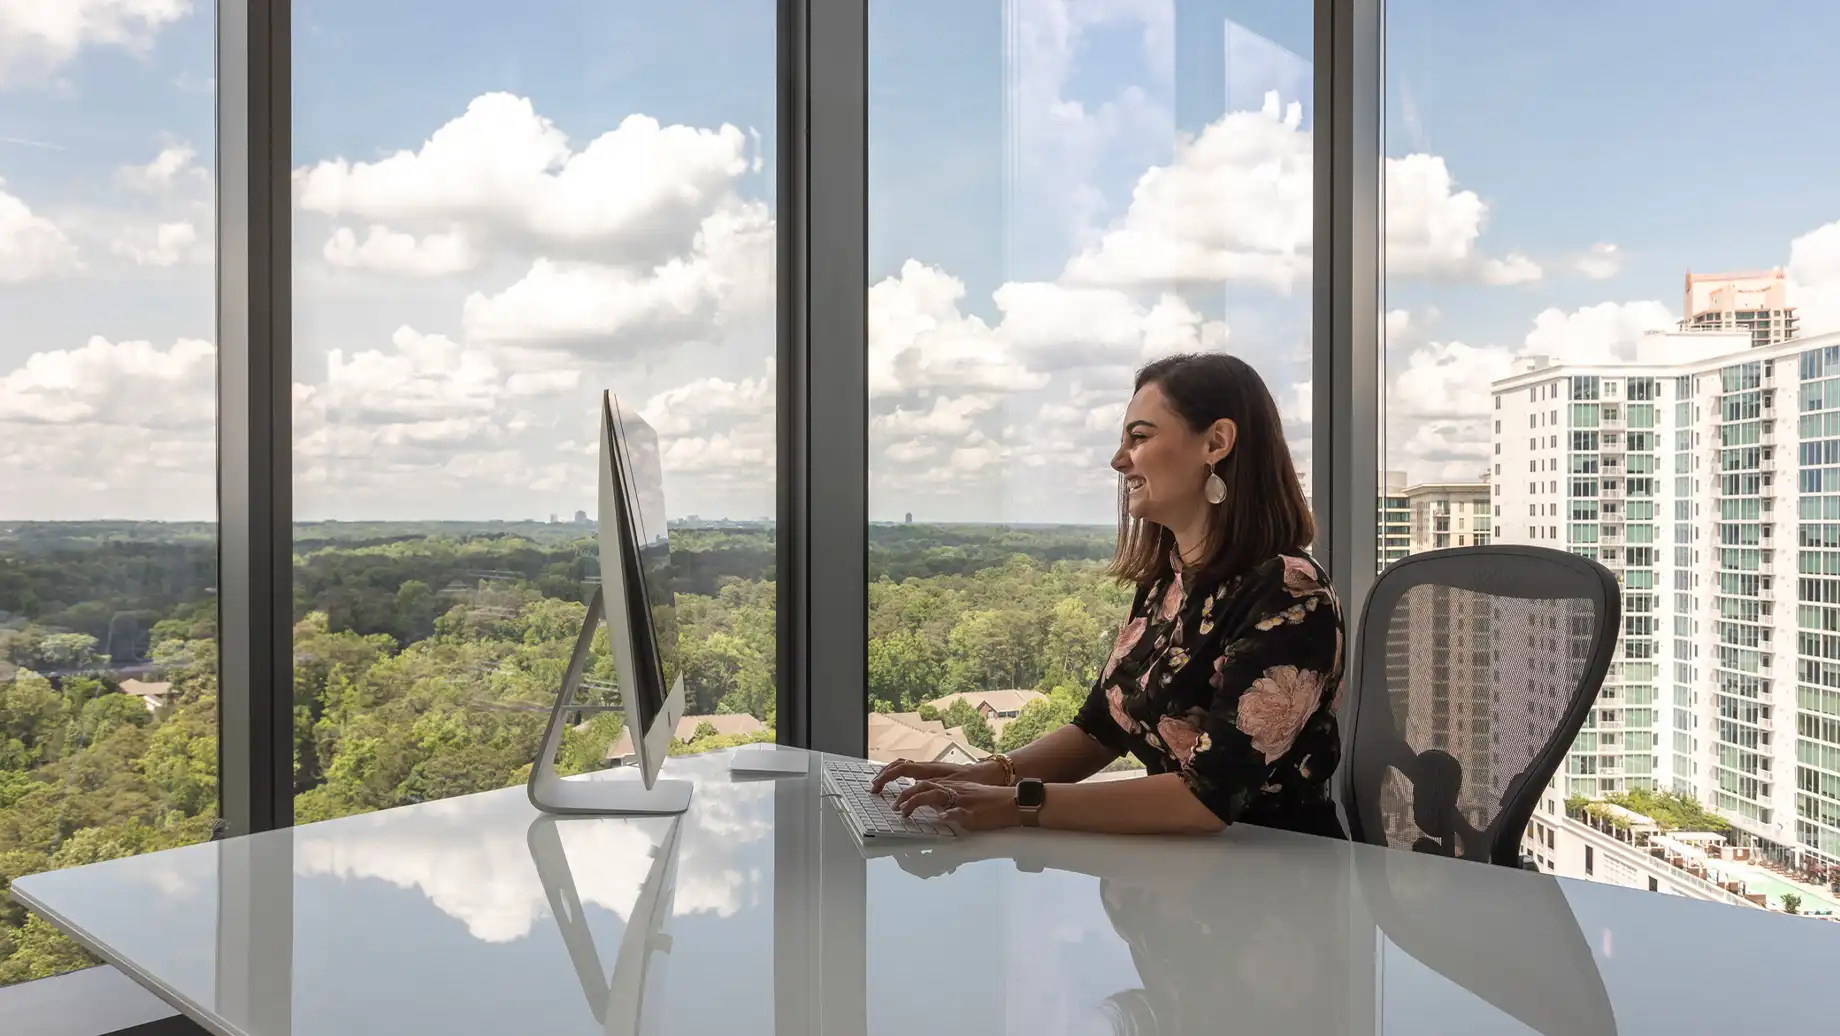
point(497, 216)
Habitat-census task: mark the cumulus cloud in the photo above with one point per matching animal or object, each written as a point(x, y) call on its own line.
point(165, 244)
point(1235, 204)
point(695, 407)
point(1608, 330)
point(634, 195)
point(110, 429)
point(31, 246)
point(387, 251)
point(602, 309)
point(1814, 278)
point(1602, 262)
point(174, 168)
point(38, 37)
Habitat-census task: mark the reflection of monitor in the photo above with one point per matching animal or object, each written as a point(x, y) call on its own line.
point(636, 599)
point(620, 1001)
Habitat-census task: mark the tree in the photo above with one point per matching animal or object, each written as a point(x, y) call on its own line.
point(1791, 903)
point(977, 731)
point(1075, 644)
point(904, 668)
point(1039, 717)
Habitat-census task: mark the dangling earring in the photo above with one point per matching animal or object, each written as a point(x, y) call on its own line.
point(1216, 488)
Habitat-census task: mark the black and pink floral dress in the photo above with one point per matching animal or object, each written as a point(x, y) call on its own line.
point(1234, 685)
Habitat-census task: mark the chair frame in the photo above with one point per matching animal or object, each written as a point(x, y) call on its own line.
point(1491, 570)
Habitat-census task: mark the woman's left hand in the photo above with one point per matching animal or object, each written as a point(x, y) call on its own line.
point(974, 807)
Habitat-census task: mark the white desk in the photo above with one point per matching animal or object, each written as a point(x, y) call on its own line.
point(437, 919)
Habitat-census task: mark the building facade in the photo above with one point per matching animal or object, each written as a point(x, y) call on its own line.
point(1755, 303)
point(1710, 485)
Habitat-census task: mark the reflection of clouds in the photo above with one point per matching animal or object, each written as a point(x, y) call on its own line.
point(469, 856)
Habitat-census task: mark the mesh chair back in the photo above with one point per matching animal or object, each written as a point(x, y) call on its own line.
point(1474, 670)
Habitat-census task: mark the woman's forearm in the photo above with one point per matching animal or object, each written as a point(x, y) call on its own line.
point(1065, 755)
point(1137, 806)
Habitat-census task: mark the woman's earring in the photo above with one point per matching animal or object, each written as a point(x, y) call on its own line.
point(1216, 489)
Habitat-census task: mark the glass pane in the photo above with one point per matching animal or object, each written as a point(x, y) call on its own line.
point(1606, 356)
point(501, 213)
point(1058, 194)
point(108, 479)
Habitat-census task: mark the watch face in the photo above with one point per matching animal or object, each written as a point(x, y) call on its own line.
point(1030, 794)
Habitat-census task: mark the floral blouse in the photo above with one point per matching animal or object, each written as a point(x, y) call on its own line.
point(1234, 685)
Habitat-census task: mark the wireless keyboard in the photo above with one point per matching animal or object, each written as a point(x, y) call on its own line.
point(872, 817)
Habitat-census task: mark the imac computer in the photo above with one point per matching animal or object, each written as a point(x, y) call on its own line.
point(636, 600)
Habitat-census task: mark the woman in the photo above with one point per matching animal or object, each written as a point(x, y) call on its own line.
point(1225, 677)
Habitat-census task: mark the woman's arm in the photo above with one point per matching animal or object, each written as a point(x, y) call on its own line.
point(1137, 806)
point(1065, 755)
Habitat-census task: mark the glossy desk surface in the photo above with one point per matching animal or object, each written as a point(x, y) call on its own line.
point(474, 915)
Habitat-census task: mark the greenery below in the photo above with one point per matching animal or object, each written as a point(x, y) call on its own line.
point(426, 657)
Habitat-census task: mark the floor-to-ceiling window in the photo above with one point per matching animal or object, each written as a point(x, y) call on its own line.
point(1612, 328)
point(1059, 192)
point(108, 510)
point(501, 212)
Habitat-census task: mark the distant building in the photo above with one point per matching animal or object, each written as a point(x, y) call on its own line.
point(997, 707)
point(1754, 302)
point(725, 723)
point(904, 735)
point(1395, 519)
point(909, 520)
point(153, 695)
point(581, 517)
point(1448, 514)
point(553, 519)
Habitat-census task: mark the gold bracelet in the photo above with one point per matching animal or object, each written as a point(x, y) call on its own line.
point(1009, 769)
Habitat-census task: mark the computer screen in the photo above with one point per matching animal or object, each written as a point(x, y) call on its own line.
point(650, 600)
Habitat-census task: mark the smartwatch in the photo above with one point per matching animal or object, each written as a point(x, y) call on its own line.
point(1030, 794)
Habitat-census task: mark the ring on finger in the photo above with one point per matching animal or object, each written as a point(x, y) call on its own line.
point(951, 797)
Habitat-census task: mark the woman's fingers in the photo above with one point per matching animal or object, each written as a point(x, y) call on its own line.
point(925, 794)
point(894, 771)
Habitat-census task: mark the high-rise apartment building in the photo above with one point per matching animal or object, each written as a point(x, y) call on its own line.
point(1448, 514)
point(1711, 487)
point(1755, 303)
point(1395, 519)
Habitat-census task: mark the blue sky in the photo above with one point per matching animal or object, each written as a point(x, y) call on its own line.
point(1002, 152)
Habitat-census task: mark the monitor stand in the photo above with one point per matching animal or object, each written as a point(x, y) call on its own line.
point(617, 1001)
point(617, 794)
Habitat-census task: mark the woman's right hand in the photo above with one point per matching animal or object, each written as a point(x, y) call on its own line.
point(927, 772)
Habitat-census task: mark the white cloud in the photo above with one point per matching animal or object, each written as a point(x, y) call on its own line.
point(1298, 405)
point(1594, 334)
point(1814, 278)
point(31, 246)
point(1432, 228)
point(1235, 204)
point(166, 244)
point(175, 167)
point(722, 285)
point(1601, 263)
point(37, 37)
point(635, 195)
point(387, 251)
point(694, 408)
point(110, 429)
point(947, 418)
point(921, 344)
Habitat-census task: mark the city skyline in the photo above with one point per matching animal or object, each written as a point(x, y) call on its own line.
point(1022, 255)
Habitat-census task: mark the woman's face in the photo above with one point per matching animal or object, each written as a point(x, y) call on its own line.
point(1164, 463)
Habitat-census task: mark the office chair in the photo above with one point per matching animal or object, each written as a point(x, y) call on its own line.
point(1474, 670)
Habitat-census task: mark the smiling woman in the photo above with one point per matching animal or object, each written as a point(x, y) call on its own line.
point(1059, 193)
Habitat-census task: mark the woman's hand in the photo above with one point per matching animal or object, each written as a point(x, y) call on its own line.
point(970, 773)
point(972, 806)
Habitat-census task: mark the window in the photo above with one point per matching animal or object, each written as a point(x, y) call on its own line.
point(1590, 860)
point(1736, 418)
point(476, 260)
point(108, 479)
point(992, 216)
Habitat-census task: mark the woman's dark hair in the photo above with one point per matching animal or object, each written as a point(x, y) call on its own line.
point(1264, 513)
